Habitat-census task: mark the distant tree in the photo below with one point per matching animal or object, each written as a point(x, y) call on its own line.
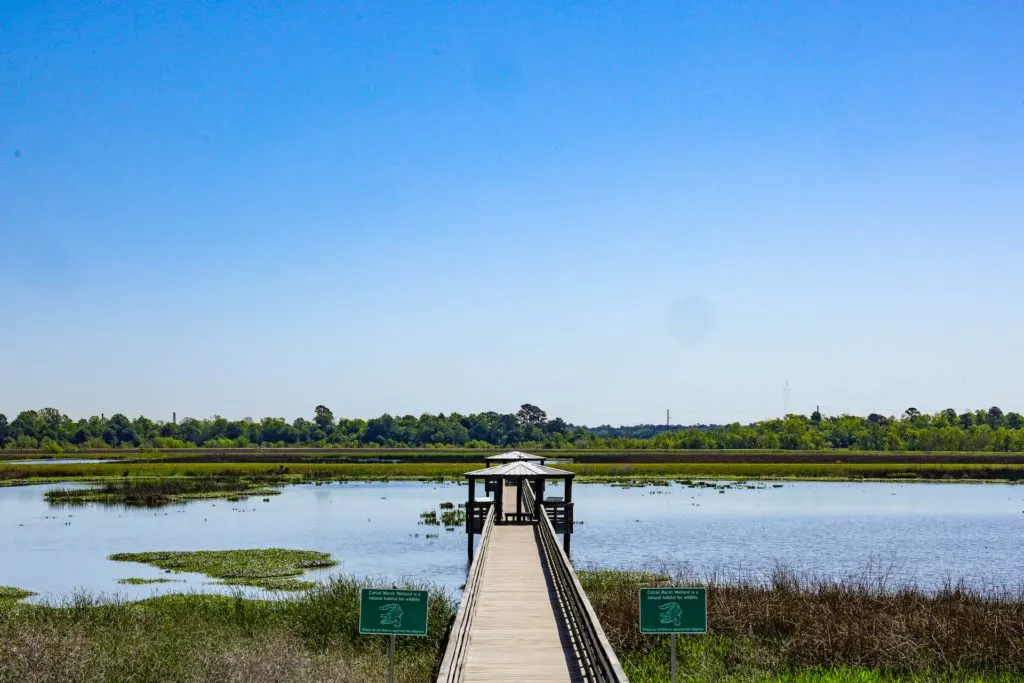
point(875, 418)
point(556, 426)
point(816, 417)
point(378, 430)
point(3, 430)
point(324, 418)
point(950, 415)
point(966, 420)
point(995, 417)
point(1013, 420)
point(911, 414)
point(530, 414)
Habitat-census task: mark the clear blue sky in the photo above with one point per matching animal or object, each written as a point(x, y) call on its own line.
point(604, 208)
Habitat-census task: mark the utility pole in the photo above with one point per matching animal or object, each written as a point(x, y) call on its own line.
point(668, 418)
point(785, 398)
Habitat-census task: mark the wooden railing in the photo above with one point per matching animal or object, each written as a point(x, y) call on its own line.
point(455, 653)
point(595, 655)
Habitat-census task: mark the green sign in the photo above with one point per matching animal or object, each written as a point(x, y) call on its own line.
point(673, 610)
point(392, 612)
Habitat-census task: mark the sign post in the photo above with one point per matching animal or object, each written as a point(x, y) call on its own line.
point(672, 611)
point(393, 612)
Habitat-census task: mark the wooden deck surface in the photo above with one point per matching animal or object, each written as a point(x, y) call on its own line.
point(516, 634)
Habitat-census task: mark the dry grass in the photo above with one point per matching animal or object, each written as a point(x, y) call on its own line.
point(785, 624)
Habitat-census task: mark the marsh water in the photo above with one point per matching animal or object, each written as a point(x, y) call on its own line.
point(927, 533)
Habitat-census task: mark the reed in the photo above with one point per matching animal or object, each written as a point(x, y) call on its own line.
point(790, 627)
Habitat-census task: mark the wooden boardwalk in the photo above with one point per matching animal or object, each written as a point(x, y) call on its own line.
point(517, 633)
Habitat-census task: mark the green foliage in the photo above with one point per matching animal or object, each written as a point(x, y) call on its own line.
point(50, 446)
point(10, 594)
point(529, 428)
point(265, 568)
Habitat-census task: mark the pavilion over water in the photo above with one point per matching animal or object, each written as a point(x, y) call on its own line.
point(514, 456)
point(518, 489)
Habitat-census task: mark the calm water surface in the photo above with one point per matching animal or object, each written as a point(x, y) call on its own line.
point(926, 532)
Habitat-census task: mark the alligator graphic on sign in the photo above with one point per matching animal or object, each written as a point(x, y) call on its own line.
point(671, 614)
point(391, 615)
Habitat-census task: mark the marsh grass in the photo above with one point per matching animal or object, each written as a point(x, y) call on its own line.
point(270, 568)
point(116, 474)
point(790, 627)
point(164, 491)
point(213, 638)
point(10, 595)
point(136, 581)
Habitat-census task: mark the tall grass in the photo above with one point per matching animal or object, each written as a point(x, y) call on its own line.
point(455, 471)
point(199, 638)
point(788, 627)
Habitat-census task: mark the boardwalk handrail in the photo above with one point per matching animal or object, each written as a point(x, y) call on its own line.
point(458, 639)
point(597, 659)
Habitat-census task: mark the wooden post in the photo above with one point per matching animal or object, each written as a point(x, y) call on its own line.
point(499, 502)
point(567, 536)
point(470, 516)
point(519, 496)
point(539, 499)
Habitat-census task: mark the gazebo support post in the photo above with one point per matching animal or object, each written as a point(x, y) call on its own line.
point(567, 536)
point(471, 517)
point(499, 502)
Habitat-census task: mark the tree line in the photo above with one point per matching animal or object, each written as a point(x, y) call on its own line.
point(530, 427)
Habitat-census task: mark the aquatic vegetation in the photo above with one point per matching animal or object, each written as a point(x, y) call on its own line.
point(158, 492)
point(429, 518)
point(136, 581)
point(9, 594)
point(453, 518)
point(261, 568)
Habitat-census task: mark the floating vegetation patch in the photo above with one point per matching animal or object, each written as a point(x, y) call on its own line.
point(160, 492)
point(136, 581)
point(9, 594)
point(429, 518)
point(451, 517)
point(270, 568)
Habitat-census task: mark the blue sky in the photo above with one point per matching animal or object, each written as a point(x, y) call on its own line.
point(607, 209)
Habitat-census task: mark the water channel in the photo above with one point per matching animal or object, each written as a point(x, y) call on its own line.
point(926, 533)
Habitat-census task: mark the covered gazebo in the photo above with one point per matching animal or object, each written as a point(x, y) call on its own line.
point(513, 456)
point(518, 488)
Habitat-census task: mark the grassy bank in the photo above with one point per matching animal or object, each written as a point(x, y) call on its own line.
point(192, 638)
point(270, 568)
point(297, 472)
point(786, 629)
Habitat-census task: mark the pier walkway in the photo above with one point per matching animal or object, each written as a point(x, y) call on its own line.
point(523, 615)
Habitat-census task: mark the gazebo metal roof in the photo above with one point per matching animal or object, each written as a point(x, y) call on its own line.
point(521, 470)
point(515, 456)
